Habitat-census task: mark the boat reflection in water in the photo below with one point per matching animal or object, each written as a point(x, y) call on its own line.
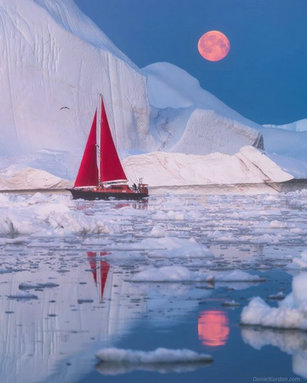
point(213, 328)
point(66, 321)
point(138, 205)
point(75, 305)
point(100, 269)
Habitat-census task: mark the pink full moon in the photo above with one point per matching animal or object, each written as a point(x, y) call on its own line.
point(213, 46)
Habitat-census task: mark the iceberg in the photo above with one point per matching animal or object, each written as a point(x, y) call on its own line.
point(55, 62)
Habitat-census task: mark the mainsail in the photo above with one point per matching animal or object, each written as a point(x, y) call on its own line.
point(100, 147)
point(110, 166)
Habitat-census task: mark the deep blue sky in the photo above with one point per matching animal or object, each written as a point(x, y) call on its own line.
point(264, 77)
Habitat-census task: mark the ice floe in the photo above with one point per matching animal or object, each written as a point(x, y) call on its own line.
point(231, 303)
point(183, 274)
point(118, 361)
point(291, 312)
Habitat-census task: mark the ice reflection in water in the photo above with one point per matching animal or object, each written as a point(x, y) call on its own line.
point(290, 341)
point(213, 328)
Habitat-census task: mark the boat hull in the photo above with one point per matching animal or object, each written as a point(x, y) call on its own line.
point(95, 195)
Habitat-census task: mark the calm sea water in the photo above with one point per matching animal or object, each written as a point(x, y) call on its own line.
point(67, 289)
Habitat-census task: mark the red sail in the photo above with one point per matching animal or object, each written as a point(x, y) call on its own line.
point(110, 166)
point(88, 171)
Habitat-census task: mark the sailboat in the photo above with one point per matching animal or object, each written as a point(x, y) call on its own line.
point(101, 175)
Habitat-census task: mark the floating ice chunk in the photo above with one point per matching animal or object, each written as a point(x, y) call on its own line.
point(277, 224)
point(157, 231)
point(291, 313)
point(160, 355)
point(259, 313)
point(168, 274)
point(175, 247)
point(183, 274)
point(231, 303)
point(233, 276)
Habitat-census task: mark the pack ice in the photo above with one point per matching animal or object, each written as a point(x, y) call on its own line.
point(54, 63)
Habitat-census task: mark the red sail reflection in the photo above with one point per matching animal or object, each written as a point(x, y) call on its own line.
point(213, 328)
point(100, 270)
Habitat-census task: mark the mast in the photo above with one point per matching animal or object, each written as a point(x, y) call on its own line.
point(98, 136)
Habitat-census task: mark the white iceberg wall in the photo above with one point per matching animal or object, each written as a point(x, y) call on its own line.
point(51, 76)
point(168, 169)
point(208, 132)
point(211, 125)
